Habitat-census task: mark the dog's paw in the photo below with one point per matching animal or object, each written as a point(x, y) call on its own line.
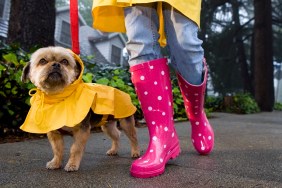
point(71, 168)
point(135, 154)
point(51, 165)
point(111, 152)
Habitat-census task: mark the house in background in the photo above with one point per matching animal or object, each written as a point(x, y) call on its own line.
point(62, 28)
point(105, 48)
point(4, 18)
point(109, 45)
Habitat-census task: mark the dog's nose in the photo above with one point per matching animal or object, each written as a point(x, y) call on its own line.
point(56, 65)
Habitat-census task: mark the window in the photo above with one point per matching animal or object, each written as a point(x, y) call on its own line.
point(65, 33)
point(2, 7)
point(116, 55)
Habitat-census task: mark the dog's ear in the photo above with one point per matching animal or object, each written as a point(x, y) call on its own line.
point(78, 68)
point(25, 73)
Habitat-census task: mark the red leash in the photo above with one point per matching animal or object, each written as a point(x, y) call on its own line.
point(74, 26)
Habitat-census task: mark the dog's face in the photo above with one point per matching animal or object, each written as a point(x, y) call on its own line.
point(51, 69)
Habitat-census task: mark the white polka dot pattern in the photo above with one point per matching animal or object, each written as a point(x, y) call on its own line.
point(202, 132)
point(153, 88)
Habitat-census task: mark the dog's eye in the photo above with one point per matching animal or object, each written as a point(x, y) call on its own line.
point(42, 61)
point(64, 62)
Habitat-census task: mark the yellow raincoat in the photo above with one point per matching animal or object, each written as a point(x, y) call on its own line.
point(108, 15)
point(70, 107)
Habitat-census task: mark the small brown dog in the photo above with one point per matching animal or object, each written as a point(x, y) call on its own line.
point(53, 70)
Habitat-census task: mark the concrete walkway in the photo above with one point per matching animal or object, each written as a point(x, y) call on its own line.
point(247, 153)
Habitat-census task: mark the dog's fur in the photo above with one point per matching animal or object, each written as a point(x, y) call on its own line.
point(51, 69)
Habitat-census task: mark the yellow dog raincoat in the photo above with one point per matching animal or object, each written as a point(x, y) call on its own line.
point(70, 107)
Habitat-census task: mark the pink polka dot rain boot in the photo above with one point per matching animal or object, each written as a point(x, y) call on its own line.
point(193, 96)
point(153, 87)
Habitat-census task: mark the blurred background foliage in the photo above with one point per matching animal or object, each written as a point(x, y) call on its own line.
point(239, 81)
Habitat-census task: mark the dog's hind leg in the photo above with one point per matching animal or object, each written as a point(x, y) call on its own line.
point(128, 125)
point(57, 144)
point(112, 131)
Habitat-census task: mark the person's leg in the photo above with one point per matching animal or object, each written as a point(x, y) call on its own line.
point(150, 76)
point(187, 58)
point(142, 31)
point(184, 45)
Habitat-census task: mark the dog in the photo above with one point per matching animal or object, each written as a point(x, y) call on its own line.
point(52, 70)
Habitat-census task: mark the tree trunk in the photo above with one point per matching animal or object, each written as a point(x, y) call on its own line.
point(241, 58)
point(32, 22)
point(263, 55)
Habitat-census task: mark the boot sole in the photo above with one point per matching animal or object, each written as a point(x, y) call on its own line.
point(171, 155)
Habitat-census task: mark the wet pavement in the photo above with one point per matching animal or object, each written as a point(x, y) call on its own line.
point(247, 153)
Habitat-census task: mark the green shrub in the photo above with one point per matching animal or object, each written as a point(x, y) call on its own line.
point(278, 106)
point(14, 98)
point(243, 103)
point(178, 104)
point(240, 103)
point(214, 104)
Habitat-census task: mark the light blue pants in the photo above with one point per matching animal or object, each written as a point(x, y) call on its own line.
point(142, 25)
